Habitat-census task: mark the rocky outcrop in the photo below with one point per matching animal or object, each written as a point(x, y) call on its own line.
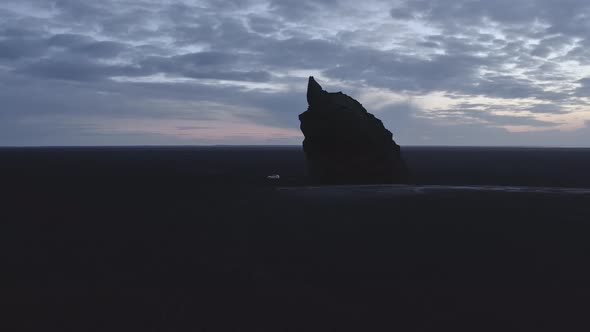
point(345, 144)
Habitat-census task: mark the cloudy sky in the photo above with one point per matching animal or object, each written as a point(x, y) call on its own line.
point(462, 72)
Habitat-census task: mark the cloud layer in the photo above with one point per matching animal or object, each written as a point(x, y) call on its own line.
point(234, 72)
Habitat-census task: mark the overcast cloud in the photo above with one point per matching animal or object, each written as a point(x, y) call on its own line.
point(466, 72)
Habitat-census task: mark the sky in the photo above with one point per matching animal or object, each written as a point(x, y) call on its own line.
point(164, 72)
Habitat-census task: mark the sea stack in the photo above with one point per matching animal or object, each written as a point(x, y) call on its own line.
point(345, 144)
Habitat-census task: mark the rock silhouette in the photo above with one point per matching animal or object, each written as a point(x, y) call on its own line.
point(345, 144)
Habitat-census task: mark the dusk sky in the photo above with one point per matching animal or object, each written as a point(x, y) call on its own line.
point(151, 72)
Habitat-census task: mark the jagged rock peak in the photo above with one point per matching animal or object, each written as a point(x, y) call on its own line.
point(316, 95)
point(346, 144)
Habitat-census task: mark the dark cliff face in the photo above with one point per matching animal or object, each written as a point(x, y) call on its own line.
point(345, 144)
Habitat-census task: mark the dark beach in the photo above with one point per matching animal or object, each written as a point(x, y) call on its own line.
point(197, 239)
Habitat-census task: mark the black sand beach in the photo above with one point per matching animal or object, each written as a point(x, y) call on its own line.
point(181, 238)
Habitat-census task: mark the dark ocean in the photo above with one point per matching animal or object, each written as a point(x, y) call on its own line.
point(198, 239)
point(554, 167)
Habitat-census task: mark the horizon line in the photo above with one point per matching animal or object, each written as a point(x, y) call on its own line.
point(281, 145)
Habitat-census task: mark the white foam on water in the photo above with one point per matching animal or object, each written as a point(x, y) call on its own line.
point(428, 189)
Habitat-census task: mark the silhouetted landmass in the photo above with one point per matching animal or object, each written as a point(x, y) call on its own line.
point(193, 239)
point(345, 144)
